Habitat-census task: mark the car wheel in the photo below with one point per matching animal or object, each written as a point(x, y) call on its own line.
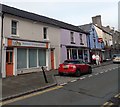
point(90, 70)
point(77, 73)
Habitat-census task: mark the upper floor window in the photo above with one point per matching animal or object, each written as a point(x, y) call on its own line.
point(81, 40)
point(72, 37)
point(14, 27)
point(45, 29)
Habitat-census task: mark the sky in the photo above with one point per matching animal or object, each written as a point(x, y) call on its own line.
point(76, 12)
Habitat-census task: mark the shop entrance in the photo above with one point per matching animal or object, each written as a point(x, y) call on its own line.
point(9, 63)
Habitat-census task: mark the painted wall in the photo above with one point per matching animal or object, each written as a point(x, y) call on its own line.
point(97, 33)
point(66, 40)
point(31, 30)
point(107, 38)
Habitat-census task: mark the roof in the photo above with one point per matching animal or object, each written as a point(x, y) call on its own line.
point(104, 29)
point(86, 27)
point(35, 17)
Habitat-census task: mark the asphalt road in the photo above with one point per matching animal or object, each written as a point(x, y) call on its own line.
point(92, 90)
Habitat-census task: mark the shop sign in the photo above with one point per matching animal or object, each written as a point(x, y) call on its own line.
point(100, 40)
point(27, 44)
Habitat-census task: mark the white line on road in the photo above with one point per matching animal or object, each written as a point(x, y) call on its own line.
point(82, 78)
point(73, 80)
point(63, 84)
point(96, 73)
point(101, 72)
point(90, 75)
point(106, 71)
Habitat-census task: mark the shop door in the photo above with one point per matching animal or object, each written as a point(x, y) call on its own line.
point(9, 63)
point(52, 59)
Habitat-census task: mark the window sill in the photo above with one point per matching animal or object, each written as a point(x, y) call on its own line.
point(81, 43)
point(46, 40)
point(15, 36)
point(72, 42)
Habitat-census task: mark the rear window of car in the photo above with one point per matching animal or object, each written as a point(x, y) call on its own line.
point(72, 62)
point(116, 55)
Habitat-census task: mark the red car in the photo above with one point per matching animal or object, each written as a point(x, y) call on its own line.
point(76, 67)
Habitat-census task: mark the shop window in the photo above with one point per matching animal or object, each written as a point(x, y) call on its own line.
point(85, 55)
point(80, 54)
point(42, 57)
point(74, 53)
point(32, 58)
point(14, 27)
point(21, 58)
point(68, 56)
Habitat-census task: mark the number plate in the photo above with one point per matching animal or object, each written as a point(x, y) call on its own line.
point(66, 66)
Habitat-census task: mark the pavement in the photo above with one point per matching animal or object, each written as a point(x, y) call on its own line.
point(24, 84)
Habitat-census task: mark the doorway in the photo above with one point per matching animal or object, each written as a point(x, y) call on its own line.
point(9, 63)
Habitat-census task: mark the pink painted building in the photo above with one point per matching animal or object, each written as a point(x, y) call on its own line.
point(74, 45)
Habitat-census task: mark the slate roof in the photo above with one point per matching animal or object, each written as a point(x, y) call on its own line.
point(40, 18)
point(86, 27)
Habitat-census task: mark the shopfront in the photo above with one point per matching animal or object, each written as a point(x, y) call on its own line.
point(78, 53)
point(25, 56)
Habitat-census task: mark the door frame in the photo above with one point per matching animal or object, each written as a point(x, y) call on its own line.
point(52, 55)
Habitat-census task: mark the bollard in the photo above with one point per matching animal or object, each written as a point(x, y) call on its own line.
point(44, 75)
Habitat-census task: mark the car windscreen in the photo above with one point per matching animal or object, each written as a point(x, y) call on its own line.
point(72, 62)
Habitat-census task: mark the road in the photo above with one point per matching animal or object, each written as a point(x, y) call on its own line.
point(93, 89)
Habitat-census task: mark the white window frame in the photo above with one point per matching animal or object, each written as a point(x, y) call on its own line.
point(17, 32)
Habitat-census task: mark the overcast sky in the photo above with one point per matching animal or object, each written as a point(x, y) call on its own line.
point(76, 12)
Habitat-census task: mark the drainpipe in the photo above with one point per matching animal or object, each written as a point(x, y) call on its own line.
point(2, 16)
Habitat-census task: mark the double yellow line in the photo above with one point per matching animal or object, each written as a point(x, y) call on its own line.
point(29, 95)
point(109, 104)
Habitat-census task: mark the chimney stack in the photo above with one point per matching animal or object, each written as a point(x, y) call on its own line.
point(97, 20)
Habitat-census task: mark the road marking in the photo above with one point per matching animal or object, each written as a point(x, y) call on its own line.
point(90, 75)
point(105, 103)
point(116, 95)
point(101, 72)
point(63, 84)
point(114, 68)
point(106, 71)
point(30, 95)
point(82, 78)
point(73, 81)
point(110, 104)
point(96, 73)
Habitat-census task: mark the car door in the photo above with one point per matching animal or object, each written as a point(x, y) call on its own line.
point(82, 67)
point(86, 67)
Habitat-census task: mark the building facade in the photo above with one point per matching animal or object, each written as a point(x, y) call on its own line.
point(27, 43)
point(105, 35)
point(95, 41)
point(30, 41)
point(74, 45)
